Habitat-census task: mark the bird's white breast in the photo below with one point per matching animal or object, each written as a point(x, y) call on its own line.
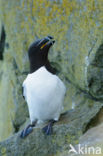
point(44, 93)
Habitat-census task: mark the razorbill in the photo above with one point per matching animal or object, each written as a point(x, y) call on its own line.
point(43, 91)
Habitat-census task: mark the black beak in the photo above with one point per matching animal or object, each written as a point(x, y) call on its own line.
point(50, 37)
point(46, 42)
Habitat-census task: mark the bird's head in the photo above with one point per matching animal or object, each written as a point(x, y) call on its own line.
point(38, 52)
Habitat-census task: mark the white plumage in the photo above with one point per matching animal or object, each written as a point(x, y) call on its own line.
point(44, 94)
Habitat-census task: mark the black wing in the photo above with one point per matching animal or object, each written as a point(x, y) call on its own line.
point(23, 92)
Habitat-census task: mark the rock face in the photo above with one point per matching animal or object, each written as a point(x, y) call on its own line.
point(92, 139)
point(77, 27)
point(65, 132)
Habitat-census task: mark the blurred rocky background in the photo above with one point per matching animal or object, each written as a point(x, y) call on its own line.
point(77, 26)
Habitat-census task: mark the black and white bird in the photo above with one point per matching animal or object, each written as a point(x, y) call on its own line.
point(43, 91)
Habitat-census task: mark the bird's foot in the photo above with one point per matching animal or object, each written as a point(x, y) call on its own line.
point(48, 128)
point(26, 131)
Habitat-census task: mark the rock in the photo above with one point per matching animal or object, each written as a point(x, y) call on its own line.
point(10, 106)
point(77, 56)
point(91, 139)
point(93, 136)
point(65, 132)
point(95, 76)
point(77, 46)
